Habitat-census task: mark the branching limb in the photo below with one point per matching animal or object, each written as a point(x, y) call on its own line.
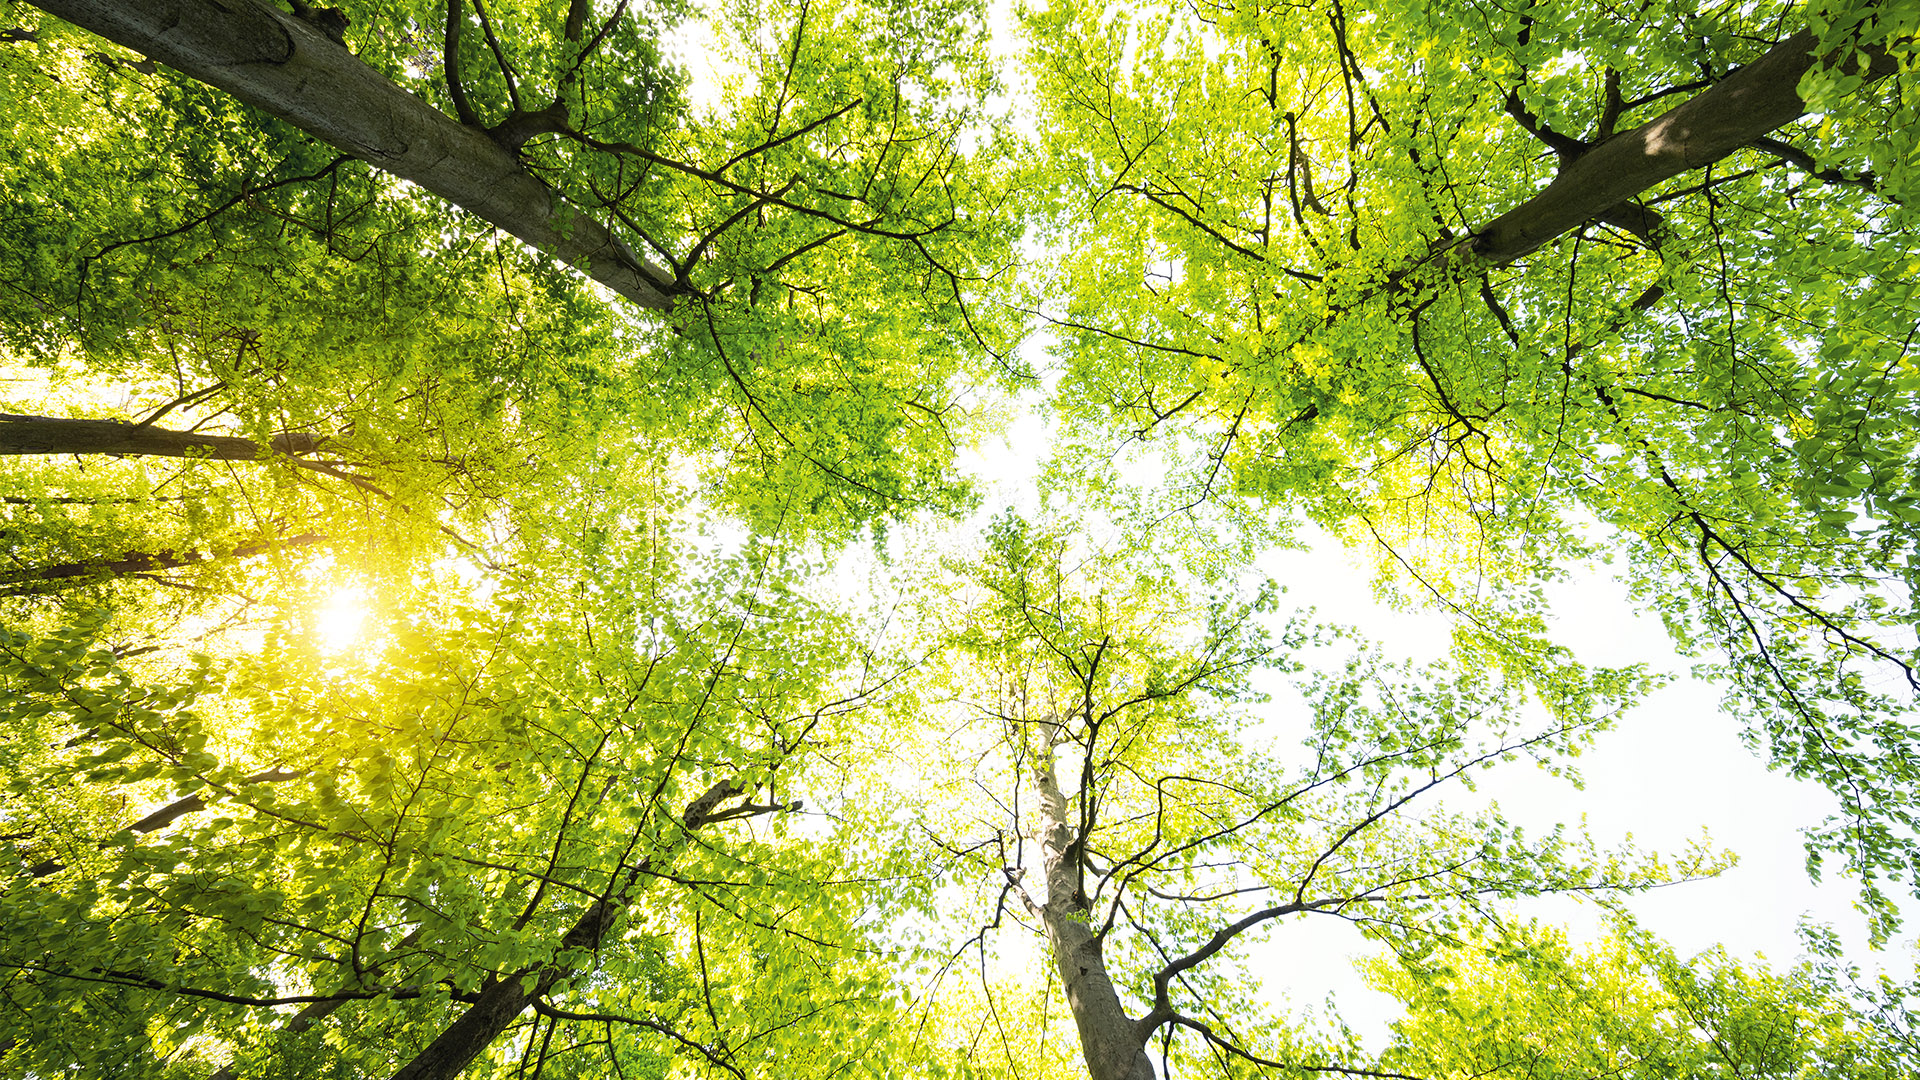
point(1565, 146)
point(580, 9)
point(1499, 311)
point(170, 813)
point(870, 227)
point(450, 64)
point(1610, 108)
point(1159, 199)
point(245, 193)
point(1162, 1011)
point(716, 1057)
point(1216, 1040)
point(138, 981)
point(185, 401)
point(1805, 162)
point(499, 55)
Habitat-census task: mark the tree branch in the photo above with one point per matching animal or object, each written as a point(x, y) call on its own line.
point(456, 89)
point(281, 65)
point(1743, 107)
point(1805, 162)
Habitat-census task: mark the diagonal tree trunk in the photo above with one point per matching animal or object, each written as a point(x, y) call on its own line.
point(44, 579)
point(62, 435)
point(502, 1002)
point(1726, 116)
point(291, 69)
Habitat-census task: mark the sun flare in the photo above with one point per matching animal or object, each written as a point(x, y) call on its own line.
point(339, 621)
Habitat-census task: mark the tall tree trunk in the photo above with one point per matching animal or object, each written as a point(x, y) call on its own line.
point(41, 579)
point(1112, 1042)
point(62, 435)
point(1726, 116)
point(292, 70)
point(502, 1002)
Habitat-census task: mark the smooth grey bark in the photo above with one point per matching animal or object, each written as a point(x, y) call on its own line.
point(1113, 1044)
point(292, 70)
point(62, 435)
point(1730, 114)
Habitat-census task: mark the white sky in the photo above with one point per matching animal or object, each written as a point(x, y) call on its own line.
point(1668, 770)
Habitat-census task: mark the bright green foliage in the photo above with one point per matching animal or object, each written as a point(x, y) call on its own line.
point(1257, 206)
point(1526, 1004)
point(321, 298)
point(345, 850)
point(829, 228)
point(605, 736)
point(1209, 820)
point(171, 271)
point(401, 826)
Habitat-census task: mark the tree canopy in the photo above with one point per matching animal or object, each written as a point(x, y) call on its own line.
point(705, 717)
